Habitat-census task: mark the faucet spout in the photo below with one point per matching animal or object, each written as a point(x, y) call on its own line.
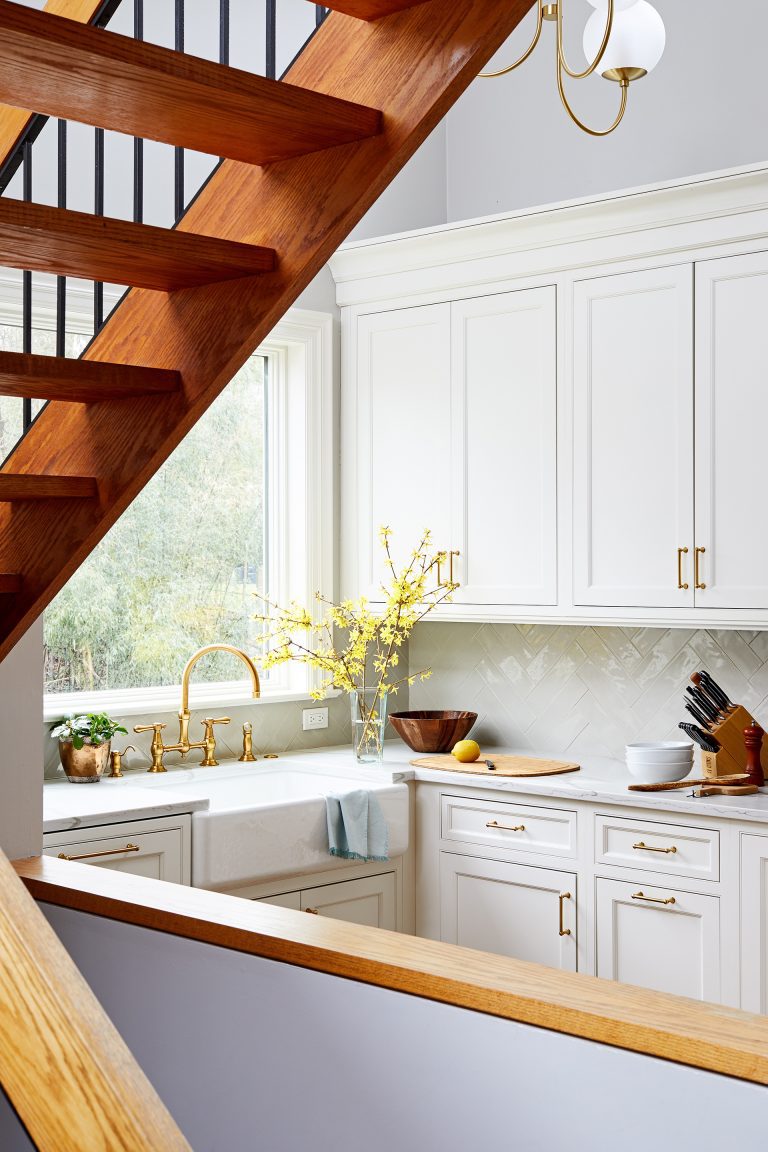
point(184, 710)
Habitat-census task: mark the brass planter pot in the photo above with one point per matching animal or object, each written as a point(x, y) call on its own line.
point(84, 765)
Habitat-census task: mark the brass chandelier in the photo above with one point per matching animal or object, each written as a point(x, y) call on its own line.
point(623, 38)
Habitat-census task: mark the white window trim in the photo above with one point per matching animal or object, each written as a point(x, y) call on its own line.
point(301, 347)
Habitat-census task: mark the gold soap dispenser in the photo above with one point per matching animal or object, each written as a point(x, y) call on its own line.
point(116, 762)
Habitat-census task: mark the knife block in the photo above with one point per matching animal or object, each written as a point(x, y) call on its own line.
point(732, 756)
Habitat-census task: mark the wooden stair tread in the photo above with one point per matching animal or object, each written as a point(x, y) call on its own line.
point(61, 68)
point(15, 487)
point(80, 381)
point(371, 9)
point(10, 583)
point(39, 238)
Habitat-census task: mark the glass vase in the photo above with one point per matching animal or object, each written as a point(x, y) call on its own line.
point(369, 719)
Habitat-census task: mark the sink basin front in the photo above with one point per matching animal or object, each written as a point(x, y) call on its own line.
point(267, 823)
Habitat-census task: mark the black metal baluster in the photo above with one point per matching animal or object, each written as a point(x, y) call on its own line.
point(271, 58)
point(138, 144)
point(61, 281)
point(224, 31)
point(98, 208)
point(26, 283)
point(320, 14)
point(178, 153)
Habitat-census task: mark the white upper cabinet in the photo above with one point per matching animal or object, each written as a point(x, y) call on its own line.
point(731, 422)
point(400, 432)
point(504, 368)
point(633, 439)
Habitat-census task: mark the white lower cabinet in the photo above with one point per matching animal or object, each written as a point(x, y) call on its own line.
point(511, 909)
point(754, 923)
point(158, 849)
point(369, 900)
point(659, 937)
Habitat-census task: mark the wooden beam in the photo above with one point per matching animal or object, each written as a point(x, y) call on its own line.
point(371, 9)
point(80, 381)
point(15, 121)
point(709, 1036)
point(43, 239)
point(46, 487)
point(64, 1066)
point(58, 67)
point(10, 583)
point(414, 67)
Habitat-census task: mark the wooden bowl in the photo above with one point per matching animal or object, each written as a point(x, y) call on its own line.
point(436, 731)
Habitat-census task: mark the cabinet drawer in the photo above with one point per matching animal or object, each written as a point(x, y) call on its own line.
point(157, 854)
point(669, 848)
point(499, 824)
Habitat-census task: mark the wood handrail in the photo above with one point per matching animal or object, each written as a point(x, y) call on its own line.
point(707, 1036)
point(70, 1077)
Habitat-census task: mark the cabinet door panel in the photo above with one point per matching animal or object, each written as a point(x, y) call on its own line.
point(509, 909)
point(284, 900)
point(633, 438)
point(668, 947)
point(505, 431)
point(159, 854)
point(754, 923)
point(370, 900)
point(731, 421)
point(403, 442)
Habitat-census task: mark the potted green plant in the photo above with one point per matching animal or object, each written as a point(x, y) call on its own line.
point(84, 745)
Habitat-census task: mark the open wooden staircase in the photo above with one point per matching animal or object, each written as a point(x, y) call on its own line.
point(304, 160)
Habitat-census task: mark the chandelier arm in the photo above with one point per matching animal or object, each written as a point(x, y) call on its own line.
point(584, 127)
point(522, 59)
point(601, 51)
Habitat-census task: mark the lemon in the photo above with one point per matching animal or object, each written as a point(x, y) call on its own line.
point(466, 751)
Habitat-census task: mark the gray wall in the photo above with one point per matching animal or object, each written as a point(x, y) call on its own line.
point(249, 1053)
point(511, 145)
point(21, 740)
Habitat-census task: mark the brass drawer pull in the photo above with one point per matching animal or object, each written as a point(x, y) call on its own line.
point(505, 827)
point(653, 899)
point(647, 848)
point(561, 897)
point(696, 577)
point(443, 583)
point(680, 553)
point(312, 911)
point(109, 852)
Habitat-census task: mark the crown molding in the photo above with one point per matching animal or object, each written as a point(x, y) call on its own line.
point(706, 210)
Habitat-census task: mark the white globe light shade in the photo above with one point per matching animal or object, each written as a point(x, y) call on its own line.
point(637, 38)
point(618, 5)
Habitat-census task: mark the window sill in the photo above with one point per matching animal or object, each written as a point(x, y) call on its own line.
point(139, 702)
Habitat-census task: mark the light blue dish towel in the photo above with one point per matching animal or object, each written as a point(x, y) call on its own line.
point(357, 829)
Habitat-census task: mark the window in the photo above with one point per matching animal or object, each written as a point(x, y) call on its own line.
point(244, 504)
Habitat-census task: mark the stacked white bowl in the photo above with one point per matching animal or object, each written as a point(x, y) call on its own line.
point(661, 762)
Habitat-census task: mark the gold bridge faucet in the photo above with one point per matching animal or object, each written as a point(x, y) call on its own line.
point(208, 743)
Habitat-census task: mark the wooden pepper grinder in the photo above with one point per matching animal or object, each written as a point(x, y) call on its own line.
point(753, 740)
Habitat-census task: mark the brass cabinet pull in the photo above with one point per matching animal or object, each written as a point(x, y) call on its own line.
point(312, 911)
point(680, 553)
point(505, 827)
point(647, 848)
point(652, 899)
point(109, 852)
point(697, 583)
point(450, 556)
point(563, 896)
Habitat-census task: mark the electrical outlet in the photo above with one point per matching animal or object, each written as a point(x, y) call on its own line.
point(314, 718)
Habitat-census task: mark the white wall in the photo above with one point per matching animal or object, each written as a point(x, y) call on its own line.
point(510, 144)
point(250, 1053)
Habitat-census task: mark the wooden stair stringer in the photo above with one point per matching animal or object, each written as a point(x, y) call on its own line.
point(413, 66)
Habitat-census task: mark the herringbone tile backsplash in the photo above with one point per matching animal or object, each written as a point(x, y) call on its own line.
point(581, 690)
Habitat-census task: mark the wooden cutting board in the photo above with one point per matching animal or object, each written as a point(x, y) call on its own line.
point(505, 765)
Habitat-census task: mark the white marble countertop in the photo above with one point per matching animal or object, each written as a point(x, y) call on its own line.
point(67, 806)
point(601, 780)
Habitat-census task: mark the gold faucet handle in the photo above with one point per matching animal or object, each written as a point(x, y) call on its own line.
point(156, 728)
point(210, 721)
point(209, 742)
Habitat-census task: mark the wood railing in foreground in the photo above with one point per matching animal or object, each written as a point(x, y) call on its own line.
point(71, 1079)
point(707, 1036)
